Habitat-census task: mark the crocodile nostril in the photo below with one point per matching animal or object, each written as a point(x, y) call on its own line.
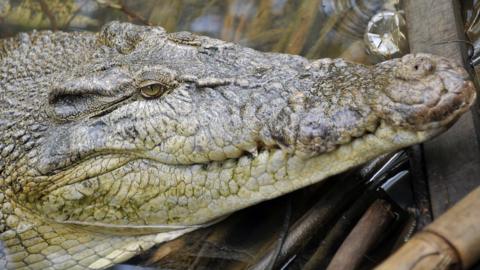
point(414, 68)
point(424, 66)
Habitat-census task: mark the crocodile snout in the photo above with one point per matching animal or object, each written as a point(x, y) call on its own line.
point(422, 92)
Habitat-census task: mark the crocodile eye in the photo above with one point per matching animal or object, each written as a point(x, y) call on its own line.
point(153, 90)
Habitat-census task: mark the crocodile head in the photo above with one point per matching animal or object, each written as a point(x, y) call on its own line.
point(114, 141)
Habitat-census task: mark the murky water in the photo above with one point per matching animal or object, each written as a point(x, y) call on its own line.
point(314, 28)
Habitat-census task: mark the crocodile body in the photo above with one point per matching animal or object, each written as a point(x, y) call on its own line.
point(111, 142)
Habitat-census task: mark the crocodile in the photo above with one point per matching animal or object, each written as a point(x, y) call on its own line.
point(112, 142)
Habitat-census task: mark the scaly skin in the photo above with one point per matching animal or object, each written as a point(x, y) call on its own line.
point(115, 141)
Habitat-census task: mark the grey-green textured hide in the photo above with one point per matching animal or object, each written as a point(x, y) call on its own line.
point(111, 142)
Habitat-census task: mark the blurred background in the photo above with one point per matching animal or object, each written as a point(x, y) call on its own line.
point(313, 28)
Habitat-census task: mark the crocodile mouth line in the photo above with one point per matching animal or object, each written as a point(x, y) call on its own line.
point(126, 157)
point(63, 177)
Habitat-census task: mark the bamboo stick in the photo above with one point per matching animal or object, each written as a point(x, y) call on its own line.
point(450, 242)
point(365, 234)
point(320, 215)
point(333, 240)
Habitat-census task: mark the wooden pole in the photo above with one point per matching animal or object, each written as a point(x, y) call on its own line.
point(451, 242)
point(365, 234)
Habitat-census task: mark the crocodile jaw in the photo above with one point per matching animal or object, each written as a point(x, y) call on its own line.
point(108, 245)
point(163, 203)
